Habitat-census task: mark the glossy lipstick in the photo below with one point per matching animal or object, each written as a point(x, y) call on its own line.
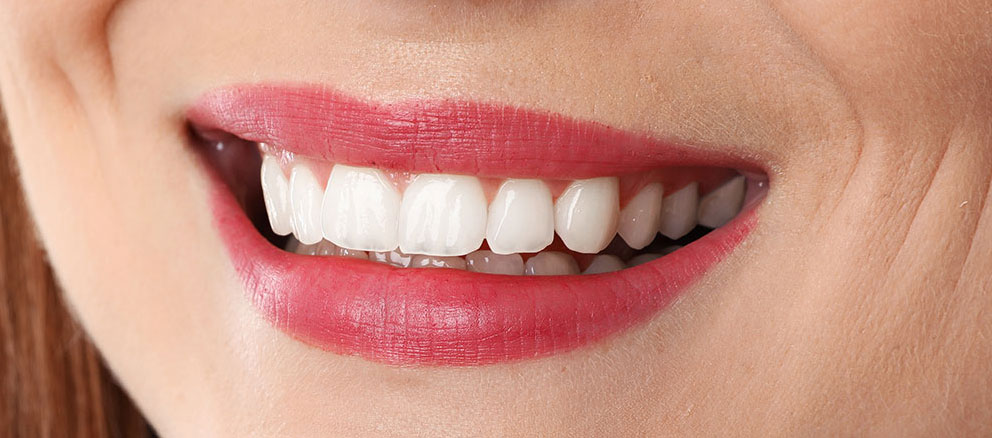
point(442, 316)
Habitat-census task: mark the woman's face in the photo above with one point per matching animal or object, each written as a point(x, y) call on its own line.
point(850, 296)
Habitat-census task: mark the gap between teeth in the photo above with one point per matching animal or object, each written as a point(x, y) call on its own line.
point(441, 216)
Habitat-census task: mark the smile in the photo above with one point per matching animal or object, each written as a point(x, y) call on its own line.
point(459, 233)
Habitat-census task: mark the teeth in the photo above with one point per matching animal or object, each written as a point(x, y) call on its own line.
point(442, 215)
point(488, 262)
point(360, 209)
point(642, 259)
point(351, 253)
point(275, 191)
point(305, 194)
point(721, 205)
point(551, 263)
point(605, 263)
point(394, 258)
point(641, 218)
point(423, 261)
point(586, 214)
point(678, 212)
point(521, 217)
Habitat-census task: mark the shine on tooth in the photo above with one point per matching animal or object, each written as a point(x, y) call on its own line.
point(721, 205)
point(360, 209)
point(678, 212)
point(306, 196)
point(641, 218)
point(586, 214)
point(425, 261)
point(551, 263)
point(394, 258)
point(521, 217)
point(488, 262)
point(442, 215)
point(275, 193)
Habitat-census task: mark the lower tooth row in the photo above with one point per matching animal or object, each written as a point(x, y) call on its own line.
point(483, 261)
point(448, 215)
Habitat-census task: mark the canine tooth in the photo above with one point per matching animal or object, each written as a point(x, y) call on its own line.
point(521, 217)
point(642, 259)
point(425, 261)
point(721, 205)
point(551, 263)
point(678, 212)
point(586, 214)
point(394, 258)
point(605, 263)
point(275, 192)
point(305, 193)
point(360, 209)
point(442, 215)
point(641, 218)
point(488, 262)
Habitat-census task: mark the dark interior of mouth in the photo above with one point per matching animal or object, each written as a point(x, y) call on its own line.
point(237, 162)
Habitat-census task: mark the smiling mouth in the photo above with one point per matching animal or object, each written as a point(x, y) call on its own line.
point(458, 233)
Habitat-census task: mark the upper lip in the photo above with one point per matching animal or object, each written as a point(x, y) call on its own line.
point(441, 136)
point(445, 316)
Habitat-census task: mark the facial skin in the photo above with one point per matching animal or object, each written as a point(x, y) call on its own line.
point(859, 305)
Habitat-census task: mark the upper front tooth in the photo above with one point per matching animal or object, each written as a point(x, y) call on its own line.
point(641, 218)
point(305, 194)
point(586, 214)
point(721, 205)
point(521, 217)
point(442, 215)
point(678, 212)
point(360, 209)
point(275, 192)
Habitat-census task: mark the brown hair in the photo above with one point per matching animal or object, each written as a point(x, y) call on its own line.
point(54, 382)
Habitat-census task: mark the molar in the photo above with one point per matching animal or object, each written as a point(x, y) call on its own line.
point(721, 205)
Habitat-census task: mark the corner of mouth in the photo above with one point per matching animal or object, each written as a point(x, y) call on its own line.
point(459, 233)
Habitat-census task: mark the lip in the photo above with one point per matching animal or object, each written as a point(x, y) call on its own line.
point(441, 316)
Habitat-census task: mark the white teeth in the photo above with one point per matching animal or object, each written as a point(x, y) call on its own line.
point(586, 214)
point(488, 262)
point(442, 215)
point(641, 218)
point(721, 205)
point(394, 258)
point(360, 209)
point(642, 259)
point(678, 212)
point(423, 261)
point(305, 194)
point(605, 263)
point(275, 192)
point(521, 217)
point(551, 263)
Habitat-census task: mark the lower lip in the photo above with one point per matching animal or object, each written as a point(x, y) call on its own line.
point(450, 317)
